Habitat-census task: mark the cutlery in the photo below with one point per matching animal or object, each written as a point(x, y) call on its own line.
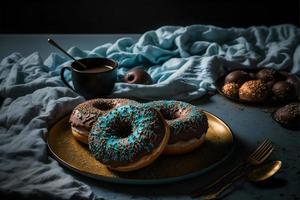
point(260, 173)
point(264, 171)
point(261, 153)
point(53, 43)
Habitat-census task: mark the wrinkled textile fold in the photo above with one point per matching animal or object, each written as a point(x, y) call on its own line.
point(184, 62)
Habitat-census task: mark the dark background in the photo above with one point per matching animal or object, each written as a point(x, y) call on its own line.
point(111, 16)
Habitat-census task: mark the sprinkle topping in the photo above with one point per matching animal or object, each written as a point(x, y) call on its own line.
point(185, 120)
point(126, 134)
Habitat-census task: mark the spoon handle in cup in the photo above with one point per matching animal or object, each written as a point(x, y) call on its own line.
point(53, 43)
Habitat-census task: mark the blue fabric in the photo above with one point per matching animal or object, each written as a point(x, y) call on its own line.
point(183, 61)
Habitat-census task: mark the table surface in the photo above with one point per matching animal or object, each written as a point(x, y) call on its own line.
point(249, 125)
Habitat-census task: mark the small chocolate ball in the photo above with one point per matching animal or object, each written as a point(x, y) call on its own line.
point(283, 90)
point(253, 91)
point(294, 81)
point(270, 85)
point(288, 115)
point(238, 77)
point(267, 75)
point(284, 74)
point(252, 75)
point(138, 76)
point(231, 90)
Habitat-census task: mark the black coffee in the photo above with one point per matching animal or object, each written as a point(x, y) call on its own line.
point(97, 69)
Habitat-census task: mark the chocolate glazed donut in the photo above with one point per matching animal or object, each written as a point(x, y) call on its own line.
point(85, 115)
point(188, 125)
point(138, 76)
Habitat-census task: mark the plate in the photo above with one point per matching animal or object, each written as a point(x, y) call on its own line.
point(271, 101)
point(76, 156)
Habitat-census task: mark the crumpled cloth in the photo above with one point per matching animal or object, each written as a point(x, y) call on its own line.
point(183, 62)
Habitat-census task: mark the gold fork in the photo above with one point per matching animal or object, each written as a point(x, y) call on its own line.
point(261, 153)
point(255, 160)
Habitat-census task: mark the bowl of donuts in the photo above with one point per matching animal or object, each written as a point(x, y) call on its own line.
point(124, 139)
point(260, 86)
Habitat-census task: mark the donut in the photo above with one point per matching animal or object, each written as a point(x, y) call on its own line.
point(138, 76)
point(253, 91)
point(188, 125)
point(85, 114)
point(128, 138)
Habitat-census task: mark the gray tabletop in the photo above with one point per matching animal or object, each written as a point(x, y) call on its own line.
point(249, 125)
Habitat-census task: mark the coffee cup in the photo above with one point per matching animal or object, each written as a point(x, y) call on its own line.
point(96, 80)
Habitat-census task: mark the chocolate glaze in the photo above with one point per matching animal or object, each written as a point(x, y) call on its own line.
point(288, 115)
point(85, 114)
point(267, 75)
point(144, 133)
point(283, 90)
point(252, 75)
point(238, 77)
point(295, 81)
point(186, 121)
point(270, 85)
point(138, 76)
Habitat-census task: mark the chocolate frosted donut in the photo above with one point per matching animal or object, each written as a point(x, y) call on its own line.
point(188, 125)
point(253, 91)
point(129, 137)
point(138, 76)
point(85, 114)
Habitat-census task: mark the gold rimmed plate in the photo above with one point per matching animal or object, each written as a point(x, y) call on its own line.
point(76, 156)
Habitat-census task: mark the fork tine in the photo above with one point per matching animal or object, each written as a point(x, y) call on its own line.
point(261, 146)
point(266, 148)
point(260, 158)
point(266, 152)
point(258, 148)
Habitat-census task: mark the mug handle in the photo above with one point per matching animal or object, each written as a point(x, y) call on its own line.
point(62, 72)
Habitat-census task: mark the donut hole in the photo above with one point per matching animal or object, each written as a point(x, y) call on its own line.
point(103, 106)
point(124, 130)
point(131, 77)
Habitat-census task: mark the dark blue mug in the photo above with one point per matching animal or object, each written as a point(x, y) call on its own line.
point(97, 80)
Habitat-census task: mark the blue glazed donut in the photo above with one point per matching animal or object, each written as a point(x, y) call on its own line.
point(129, 137)
point(188, 125)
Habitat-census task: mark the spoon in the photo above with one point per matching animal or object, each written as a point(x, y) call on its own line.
point(259, 173)
point(53, 43)
point(264, 171)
